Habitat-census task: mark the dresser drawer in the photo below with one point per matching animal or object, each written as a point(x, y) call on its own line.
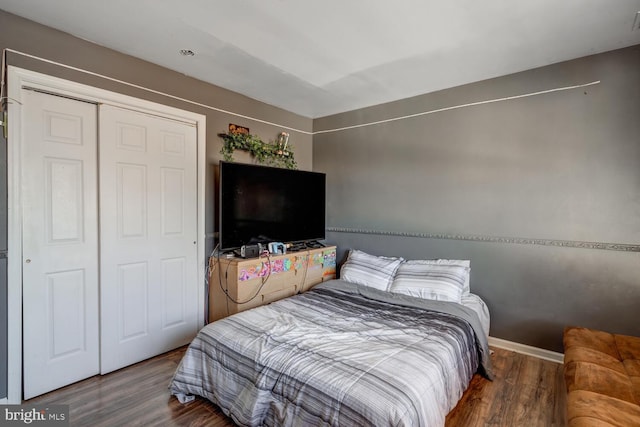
point(277, 295)
point(274, 282)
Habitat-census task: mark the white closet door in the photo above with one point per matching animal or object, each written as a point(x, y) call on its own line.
point(60, 242)
point(148, 230)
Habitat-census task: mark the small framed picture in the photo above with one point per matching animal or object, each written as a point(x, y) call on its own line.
point(238, 129)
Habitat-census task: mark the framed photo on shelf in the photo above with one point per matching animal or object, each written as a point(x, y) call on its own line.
point(238, 129)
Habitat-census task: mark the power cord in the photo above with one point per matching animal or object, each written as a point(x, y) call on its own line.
point(207, 275)
point(225, 289)
point(307, 259)
point(215, 255)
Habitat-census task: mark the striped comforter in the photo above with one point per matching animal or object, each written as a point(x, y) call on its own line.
point(339, 355)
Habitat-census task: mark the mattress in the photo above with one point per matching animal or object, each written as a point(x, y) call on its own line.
point(477, 304)
point(340, 354)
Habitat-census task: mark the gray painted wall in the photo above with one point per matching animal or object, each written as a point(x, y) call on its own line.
point(561, 166)
point(34, 39)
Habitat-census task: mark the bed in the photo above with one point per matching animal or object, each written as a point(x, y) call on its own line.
point(341, 354)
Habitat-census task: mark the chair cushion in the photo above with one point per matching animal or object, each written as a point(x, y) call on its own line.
point(602, 375)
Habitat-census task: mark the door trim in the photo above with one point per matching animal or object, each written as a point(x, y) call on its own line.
point(18, 79)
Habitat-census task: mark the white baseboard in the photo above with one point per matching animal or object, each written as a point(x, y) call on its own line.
point(4, 401)
point(540, 353)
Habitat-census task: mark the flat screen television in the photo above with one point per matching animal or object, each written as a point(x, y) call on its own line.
point(260, 204)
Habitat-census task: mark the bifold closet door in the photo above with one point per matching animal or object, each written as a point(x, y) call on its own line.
point(60, 242)
point(148, 234)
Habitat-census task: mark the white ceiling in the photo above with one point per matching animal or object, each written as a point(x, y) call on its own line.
point(317, 58)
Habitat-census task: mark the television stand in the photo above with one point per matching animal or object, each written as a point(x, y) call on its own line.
point(238, 284)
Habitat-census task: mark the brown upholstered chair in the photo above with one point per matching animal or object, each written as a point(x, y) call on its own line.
point(602, 374)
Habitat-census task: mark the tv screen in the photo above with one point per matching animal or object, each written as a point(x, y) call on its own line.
point(267, 204)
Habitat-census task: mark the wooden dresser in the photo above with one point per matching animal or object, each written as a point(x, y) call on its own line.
point(238, 284)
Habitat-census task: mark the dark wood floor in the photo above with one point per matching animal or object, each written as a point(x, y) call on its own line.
point(526, 392)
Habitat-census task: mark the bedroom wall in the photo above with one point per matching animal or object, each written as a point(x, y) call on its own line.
point(34, 39)
point(528, 189)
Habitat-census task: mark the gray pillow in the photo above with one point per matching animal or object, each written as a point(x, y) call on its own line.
point(442, 282)
point(369, 270)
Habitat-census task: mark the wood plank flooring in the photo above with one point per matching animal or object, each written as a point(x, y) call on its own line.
point(526, 392)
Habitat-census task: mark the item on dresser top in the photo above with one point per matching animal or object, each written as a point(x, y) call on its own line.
point(277, 248)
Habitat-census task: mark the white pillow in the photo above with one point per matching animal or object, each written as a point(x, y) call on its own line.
point(442, 282)
point(460, 262)
point(369, 270)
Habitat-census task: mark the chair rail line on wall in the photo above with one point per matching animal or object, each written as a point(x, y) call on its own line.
point(623, 247)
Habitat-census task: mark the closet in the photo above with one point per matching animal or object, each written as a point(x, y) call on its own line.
point(109, 238)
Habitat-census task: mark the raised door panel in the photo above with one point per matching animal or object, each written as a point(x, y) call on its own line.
point(131, 201)
point(133, 306)
point(67, 313)
point(172, 207)
point(64, 205)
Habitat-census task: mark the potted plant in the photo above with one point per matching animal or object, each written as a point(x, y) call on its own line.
point(277, 154)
